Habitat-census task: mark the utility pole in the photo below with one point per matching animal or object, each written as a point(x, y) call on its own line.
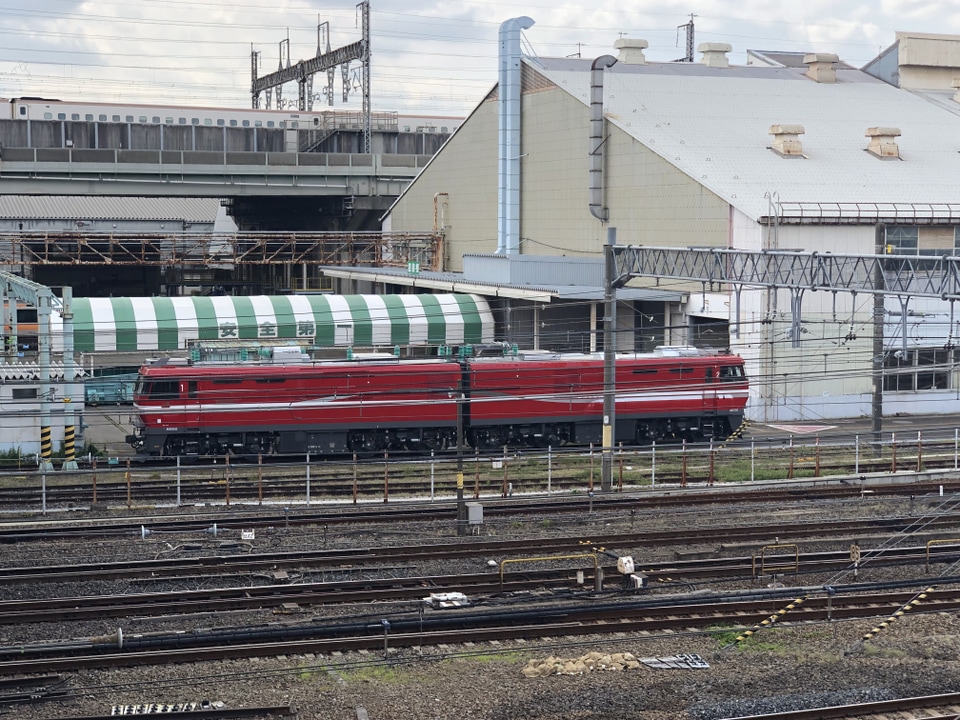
point(461, 507)
point(609, 364)
point(878, 344)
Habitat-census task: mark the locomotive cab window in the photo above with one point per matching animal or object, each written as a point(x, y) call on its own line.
point(161, 389)
point(730, 373)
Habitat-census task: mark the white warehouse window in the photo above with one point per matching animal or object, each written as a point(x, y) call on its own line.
point(917, 370)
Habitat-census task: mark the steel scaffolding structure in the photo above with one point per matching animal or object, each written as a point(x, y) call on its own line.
point(912, 275)
point(174, 249)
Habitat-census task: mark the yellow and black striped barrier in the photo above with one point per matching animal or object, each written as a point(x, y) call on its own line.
point(68, 439)
point(916, 600)
point(736, 434)
point(768, 622)
point(46, 444)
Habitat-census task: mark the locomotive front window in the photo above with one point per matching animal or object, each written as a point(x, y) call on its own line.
point(162, 389)
point(731, 373)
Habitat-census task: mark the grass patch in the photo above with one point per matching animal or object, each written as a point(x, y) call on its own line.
point(380, 674)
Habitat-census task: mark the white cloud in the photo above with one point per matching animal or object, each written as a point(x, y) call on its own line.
point(427, 56)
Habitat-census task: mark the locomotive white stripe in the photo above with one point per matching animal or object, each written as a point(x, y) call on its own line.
point(379, 318)
point(350, 401)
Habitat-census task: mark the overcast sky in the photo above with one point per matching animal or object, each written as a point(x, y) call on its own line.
point(428, 56)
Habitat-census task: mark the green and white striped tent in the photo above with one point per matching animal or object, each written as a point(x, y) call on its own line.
point(164, 323)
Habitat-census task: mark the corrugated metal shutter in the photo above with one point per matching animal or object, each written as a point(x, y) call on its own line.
point(162, 323)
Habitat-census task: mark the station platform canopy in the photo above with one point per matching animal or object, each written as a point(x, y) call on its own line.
point(173, 323)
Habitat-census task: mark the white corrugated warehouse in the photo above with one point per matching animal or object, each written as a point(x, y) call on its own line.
point(809, 155)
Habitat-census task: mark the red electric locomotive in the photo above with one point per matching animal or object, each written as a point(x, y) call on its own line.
point(528, 399)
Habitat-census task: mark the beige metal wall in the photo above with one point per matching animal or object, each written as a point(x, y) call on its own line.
point(650, 201)
point(465, 171)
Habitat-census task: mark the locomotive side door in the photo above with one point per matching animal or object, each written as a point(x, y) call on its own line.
point(710, 390)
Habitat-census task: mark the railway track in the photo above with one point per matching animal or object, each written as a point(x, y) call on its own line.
point(405, 630)
point(761, 535)
point(486, 587)
point(931, 707)
point(631, 504)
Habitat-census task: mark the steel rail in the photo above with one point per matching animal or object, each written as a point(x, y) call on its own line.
point(342, 557)
point(457, 628)
point(413, 588)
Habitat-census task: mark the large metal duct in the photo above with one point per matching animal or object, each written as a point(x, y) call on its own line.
point(508, 197)
point(597, 208)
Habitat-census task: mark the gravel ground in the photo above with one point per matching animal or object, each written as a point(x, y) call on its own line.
point(782, 668)
point(786, 668)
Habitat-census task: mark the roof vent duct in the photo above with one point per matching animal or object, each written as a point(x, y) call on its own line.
point(631, 51)
point(597, 139)
point(508, 136)
point(715, 54)
point(786, 140)
point(883, 142)
point(821, 67)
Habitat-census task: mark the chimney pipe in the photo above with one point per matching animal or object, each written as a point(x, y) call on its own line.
point(508, 221)
point(786, 140)
point(821, 67)
point(715, 54)
point(631, 51)
point(883, 142)
point(596, 136)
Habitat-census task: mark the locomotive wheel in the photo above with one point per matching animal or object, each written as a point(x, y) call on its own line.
point(434, 441)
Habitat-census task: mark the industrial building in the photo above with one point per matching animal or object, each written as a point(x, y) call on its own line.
point(784, 153)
